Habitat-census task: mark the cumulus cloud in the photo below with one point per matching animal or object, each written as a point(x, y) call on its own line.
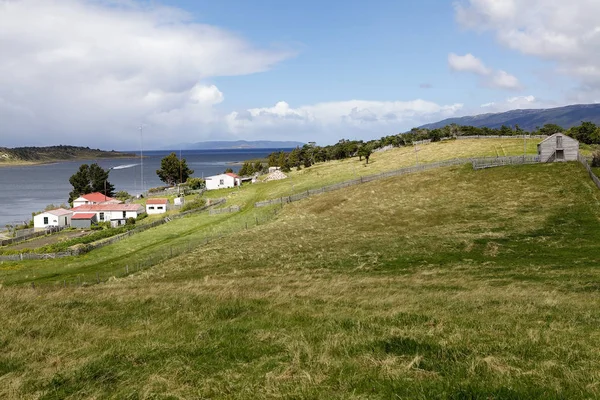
point(566, 33)
point(467, 63)
point(325, 122)
point(495, 79)
point(517, 103)
point(90, 71)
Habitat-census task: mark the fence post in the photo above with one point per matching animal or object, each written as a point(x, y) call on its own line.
point(97, 278)
point(127, 270)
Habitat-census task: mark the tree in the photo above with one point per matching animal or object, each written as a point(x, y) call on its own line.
point(550, 129)
point(173, 170)
point(228, 171)
point(247, 169)
point(89, 179)
point(196, 183)
point(365, 151)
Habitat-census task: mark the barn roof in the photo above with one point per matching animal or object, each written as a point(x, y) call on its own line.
point(555, 135)
point(84, 216)
point(97, 197)
point(157, 201)
point(59, 212)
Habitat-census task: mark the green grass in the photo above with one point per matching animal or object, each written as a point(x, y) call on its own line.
point(451, 283)
point(322, 174)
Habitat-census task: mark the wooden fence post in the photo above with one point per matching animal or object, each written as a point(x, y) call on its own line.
point(97, 278)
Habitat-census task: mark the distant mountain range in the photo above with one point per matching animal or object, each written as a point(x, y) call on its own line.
point(529, 120)
point(240, 144)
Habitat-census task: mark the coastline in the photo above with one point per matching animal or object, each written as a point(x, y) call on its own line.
point(24, 163)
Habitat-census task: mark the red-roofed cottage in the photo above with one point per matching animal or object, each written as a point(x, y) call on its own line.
point(221, 181)
point(157, 206)
point(117, 214)
point(94, 198)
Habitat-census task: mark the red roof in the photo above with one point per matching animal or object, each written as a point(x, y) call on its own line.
point(96, 197)
point(84, 216)
point(107, 207)
point(59, 212)
point(232, 174)
point(157, 201)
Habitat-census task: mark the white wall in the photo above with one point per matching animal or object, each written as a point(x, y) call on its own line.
point(108, 215)
point(53, 220)
point(154, 208)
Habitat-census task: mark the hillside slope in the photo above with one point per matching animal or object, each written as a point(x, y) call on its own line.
point(529, 120)
point(451, 283)
point(54, 153)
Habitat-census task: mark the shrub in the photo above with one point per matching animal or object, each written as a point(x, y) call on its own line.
point(195, 183)
point(122, 195)
point(596, 158)
point(192, 205)
point(130, 221)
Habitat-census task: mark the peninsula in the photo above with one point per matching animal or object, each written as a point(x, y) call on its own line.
point(43, 155)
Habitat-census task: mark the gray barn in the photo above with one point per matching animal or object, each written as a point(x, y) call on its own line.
point(83, 220)
point(558, 147)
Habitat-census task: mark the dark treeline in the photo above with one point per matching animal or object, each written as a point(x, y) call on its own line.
point(307, 155)
point(61, 152)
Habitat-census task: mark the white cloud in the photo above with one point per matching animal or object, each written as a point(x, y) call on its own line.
point(490, 78)
point(328, 122)
point(93, 70)
point(565, 32)
point(467, 63)
point(517, 103)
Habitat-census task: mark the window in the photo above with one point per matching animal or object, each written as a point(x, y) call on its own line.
point(559, 141)
point(101, 216)
point(159, 208)
point(222, 182)
point(124, 214)
point(151, 208)
point(45, 220)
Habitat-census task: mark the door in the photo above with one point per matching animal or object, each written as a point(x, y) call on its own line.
point(560, 154)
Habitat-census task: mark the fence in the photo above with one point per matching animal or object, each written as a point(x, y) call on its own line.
point(231, 209)
point(31, 235)
point(363, 179)
point(85, 248)
point(585, 163)
point(501, 137)
point(488, 162)
point(163, 254)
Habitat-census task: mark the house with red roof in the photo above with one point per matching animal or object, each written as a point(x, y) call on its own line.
point(59, 217)
point(94, 198)
point(157, 206)
point(116, 214)
point(222, 181)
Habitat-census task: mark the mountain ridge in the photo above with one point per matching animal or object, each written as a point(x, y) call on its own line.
point(527, 119)
point(240, 144)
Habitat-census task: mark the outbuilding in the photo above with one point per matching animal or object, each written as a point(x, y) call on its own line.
point(83, 220)
point(558, 147)
point(157, 206)
point(53, 218)
point(222, 181)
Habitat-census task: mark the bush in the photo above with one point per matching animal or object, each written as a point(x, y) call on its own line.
point(130, 221)
point(122, 195)
point(192, 205)
point(195, 183)
point(596, 158)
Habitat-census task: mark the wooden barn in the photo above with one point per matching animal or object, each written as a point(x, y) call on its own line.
point(558, 147)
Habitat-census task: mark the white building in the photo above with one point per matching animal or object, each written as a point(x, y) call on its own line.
point(94, 198)
point(157, 206)
point(222, 181)
point(116, 214)
point(58, 217)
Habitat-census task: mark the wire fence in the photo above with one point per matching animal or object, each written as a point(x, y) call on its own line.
point(86, 248)
point(501, 137)
point(586, 164)
point(160, 255)
point(231, 209)
point(489, 162)
point(30, 234)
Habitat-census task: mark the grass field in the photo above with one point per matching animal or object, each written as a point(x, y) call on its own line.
point(450, 283)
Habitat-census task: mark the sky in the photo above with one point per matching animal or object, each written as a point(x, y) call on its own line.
point(91, 72)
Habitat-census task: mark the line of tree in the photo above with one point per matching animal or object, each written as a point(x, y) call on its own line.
point(587, 132)
point(173, 170)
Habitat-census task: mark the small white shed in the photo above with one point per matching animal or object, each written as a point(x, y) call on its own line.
point(58, 217)
point(222, 181)
point(558, 147)
point(157, 206)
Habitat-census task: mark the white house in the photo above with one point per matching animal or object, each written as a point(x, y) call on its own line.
point(58, 217)
point(94, 198)
point(558, 147)
point(117, 214)
point(157, 206)
point(222, 181)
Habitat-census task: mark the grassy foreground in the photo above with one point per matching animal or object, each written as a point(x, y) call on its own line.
point(451, 283)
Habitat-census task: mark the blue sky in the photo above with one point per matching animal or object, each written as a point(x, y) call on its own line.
point(90, 71)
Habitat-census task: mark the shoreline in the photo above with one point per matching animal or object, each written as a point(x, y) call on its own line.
point(24, 163)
